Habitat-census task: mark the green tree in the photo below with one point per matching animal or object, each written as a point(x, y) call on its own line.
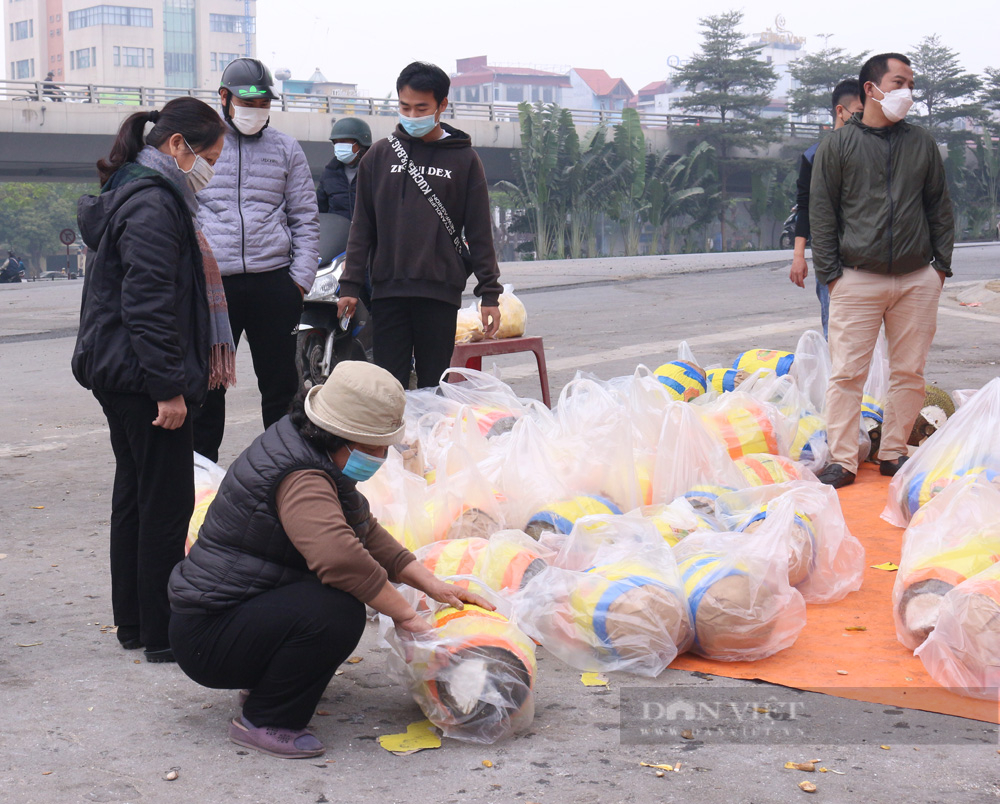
point(818, 74)
point(771, 183)
point(942, 88)
point(728, 80)
point(33, 214)
point(676, 185)
point(989, 96)
point(586, 171)
point(548, 140)
point(628, 201)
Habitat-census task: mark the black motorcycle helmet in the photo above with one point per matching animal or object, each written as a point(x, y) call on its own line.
point(247, 79)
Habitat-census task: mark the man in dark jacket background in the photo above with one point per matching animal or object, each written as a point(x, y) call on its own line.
point(351, 138)
point(846, 101)
point(417, 271)
point(882, 239)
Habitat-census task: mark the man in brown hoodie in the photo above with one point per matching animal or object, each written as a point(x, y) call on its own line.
point(421, 197)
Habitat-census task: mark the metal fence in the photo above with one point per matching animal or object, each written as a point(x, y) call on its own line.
point(337, 105)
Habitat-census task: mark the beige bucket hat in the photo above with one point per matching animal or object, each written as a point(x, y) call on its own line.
point(359, 402)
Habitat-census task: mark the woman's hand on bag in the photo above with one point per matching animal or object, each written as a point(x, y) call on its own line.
point(456, 596)
point(414, 624)
point(491, 321)
point(170, 413)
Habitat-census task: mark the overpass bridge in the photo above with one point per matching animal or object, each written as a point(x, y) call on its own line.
point(58, 134)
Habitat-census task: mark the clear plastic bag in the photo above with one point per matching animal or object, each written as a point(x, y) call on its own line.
point(967, 445)
point(745, 425)
point(690, 462)
point(675, 520)
point(513, 315)
point(766, 470)
point(825, 561)
point(963, 651)
point(740, 602)
point(768, 359)
point(625, 611)
point(955, 536)
point(469, 325)
point(207, 479)
point(473, 676)
point(812, 367)
point(876, 395)
point(684, 378)
point(505, 562)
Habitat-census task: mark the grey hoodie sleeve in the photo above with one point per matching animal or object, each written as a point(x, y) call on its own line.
point(303, 219)
point(824, 211)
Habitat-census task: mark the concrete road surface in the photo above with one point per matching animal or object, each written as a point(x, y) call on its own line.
point(82, 721)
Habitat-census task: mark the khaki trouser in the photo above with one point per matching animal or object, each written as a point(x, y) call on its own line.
point(859, 303)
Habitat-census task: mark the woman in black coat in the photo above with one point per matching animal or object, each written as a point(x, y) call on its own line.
point(149, 346)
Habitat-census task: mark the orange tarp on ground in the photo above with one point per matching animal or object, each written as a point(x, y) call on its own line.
point(879, 669)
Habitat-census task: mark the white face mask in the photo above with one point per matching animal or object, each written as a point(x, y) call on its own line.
point(249, 119)
point(895, 104)
point(199, 174)
point(344, 151)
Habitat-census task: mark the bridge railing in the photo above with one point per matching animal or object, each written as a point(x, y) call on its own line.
point(339, 105)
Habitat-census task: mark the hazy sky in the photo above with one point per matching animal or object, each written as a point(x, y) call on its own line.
point(367, 44)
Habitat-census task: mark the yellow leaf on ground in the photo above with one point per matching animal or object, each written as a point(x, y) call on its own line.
point(807, 787)
point(487, 763)
point(658, 767)
point(38, 507)
point(355, 659)
point(594, 680)
point(888, 566)
point(418, 736)
point(884, 747)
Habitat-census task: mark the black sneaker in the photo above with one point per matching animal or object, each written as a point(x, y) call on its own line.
point(159, 656)
point(835, 475)
point(889, 468)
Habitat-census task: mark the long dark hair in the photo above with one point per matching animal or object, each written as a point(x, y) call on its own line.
point(321, 439)
point(193, 119)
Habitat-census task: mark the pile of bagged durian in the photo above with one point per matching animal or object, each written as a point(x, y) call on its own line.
point(644, 516)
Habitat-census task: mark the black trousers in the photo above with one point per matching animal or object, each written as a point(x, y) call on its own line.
point(151, 505)
point(283, 645)
point(266, 307)
point(421, 329)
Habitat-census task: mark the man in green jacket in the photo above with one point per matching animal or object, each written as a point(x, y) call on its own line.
point(882, 238)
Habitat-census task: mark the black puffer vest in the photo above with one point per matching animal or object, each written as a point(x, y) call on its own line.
point(242, 549)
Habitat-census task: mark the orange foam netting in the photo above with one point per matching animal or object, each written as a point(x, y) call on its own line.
point(878, 668)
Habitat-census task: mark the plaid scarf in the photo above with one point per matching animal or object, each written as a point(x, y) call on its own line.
point(222, 356)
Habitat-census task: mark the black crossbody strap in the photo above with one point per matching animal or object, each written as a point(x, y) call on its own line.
point(427, 192)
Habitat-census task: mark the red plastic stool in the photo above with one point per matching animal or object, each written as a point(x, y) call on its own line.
point(470, 355)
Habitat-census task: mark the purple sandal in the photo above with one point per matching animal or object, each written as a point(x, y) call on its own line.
point(282, 743)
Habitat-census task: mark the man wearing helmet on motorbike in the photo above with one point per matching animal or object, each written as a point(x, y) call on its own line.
point(260, 217)
point(351, 138)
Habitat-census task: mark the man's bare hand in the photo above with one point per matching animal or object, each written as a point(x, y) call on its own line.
point(491, 320)
point(170, 413)
point(346, 305)
point(799, 271)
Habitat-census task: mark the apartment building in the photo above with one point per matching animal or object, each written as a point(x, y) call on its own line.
point(156, 43)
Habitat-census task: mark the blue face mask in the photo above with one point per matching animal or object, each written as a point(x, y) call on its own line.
point(344, 151)
point(418, 126)
point(361, 466)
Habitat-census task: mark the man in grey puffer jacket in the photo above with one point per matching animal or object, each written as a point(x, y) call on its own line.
point(260, 217)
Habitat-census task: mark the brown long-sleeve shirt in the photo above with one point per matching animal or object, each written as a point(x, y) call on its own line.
point(311, 514)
